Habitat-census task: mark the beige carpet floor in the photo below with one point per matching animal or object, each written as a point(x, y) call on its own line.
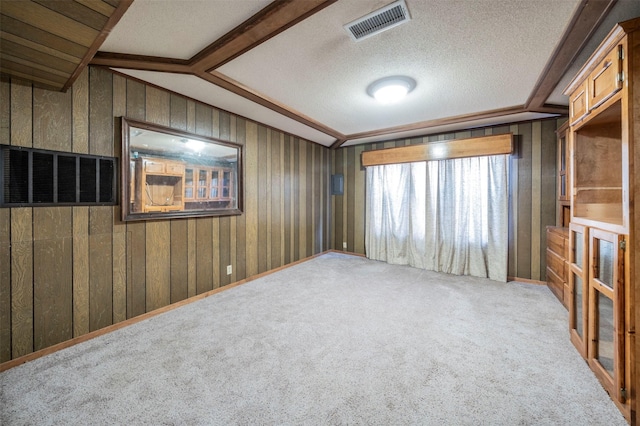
point(335, 340)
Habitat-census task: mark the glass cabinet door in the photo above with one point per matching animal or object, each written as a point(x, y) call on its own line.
point(188, 184)
point(202, 184)
point(578, 286)
point(562, 168)
point(226, 182)
point(215, 184)
point(606, 311)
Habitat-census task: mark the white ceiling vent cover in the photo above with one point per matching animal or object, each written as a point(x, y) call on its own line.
point(377, 21)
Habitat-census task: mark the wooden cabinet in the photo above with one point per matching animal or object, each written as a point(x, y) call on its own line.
point(606, 79)
point(562, 178)
point(208, 184)
point(578, 108)
point(162, 185)
point(556, 255)
point(603, 135)
point(606, 346)
point(157, 185)
point(578, 291)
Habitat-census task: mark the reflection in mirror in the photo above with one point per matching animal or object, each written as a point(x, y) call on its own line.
point(606, 331)
point(577, 243)
point(577, 304)
point(169, 173)
point(605, 262)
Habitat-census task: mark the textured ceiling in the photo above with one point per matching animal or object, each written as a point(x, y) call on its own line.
point(465, 56)
point(177, 28)
point(476, 63)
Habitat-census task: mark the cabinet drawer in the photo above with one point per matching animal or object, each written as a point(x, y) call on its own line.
point(175, 168)
point(555, 284)
point(604, 81)
point(556, 264)
point(578, 104)
point(153, 166)
point(556, 242)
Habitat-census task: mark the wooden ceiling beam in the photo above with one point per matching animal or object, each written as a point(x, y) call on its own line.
point(426, 125)
point(269, 22)
point(141, 62)
point(588, 16)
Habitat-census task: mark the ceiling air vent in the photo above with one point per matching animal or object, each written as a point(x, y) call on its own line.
point(380, 20)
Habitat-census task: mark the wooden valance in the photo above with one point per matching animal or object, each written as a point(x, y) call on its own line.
point(441, 150)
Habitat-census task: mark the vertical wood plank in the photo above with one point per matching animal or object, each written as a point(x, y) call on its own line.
point(100, 112)
point(224, 249)
point(120, 270)
point(100, 267)
point(158, 264)
point(179, 247)
point(5, 110)
point(275, 222)
point(80, 112)
point(296, 201)
point(100, 218)
point(359, 202)
point(178, 112)
point(282, 202)
point(21, 281)
point(192, 256)
point(5, 281)
point(338, 201)
point(240, 237)
point(351, 199)
point(267, 198)
point(158, 233)
point(262, 199)
point(204, 264)
point(512, 246)
point(51, 120)
point(347, 195)
point(536, 195)
point(251, 197)
point(204, 120)
point(302, 197)
point(80, 271)
point(308, 177)
point(136, 231)
point(192, 253)
point(548, 188)
point(52, 281)
point(287, 222)
point(21, 115)
point(523, 220)
point(158, 106)
point(215, 252)
point(179, 282)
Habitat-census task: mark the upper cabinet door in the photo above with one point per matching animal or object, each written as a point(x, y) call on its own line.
point(607, 78)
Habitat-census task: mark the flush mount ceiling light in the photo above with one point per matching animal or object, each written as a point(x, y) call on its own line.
point(390, 90)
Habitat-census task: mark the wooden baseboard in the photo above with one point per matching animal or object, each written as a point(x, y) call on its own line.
point(76, 340)
point(346, 252)
point(527, 280)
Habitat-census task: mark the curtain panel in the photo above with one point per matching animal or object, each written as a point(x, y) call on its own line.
point(449, 216)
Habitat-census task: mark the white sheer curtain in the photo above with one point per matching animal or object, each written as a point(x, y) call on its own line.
point(448, 216)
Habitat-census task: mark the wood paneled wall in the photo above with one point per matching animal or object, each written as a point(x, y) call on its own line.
point(66, 271)
point(532, 192)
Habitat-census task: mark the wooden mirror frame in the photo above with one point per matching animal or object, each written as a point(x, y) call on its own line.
point(163, 160)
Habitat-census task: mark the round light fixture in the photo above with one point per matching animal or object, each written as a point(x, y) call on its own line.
point(390, 90)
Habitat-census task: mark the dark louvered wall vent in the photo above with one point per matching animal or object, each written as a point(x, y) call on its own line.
point(380, 20)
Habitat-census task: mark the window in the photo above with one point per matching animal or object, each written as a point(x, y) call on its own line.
point(448, 216)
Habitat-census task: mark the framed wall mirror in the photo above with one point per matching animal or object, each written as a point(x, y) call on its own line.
point(169, 173)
